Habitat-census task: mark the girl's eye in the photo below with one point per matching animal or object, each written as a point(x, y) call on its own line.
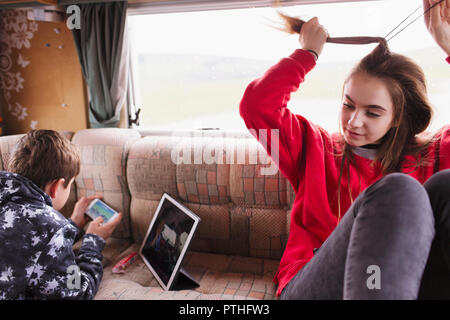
point(348, 106)
point(370, 114)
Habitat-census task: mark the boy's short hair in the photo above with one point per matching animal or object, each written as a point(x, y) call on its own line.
point(44, 156)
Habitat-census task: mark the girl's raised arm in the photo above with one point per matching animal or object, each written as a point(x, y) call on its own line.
point(264, 104)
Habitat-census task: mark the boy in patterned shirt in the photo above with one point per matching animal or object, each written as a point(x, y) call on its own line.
point(36, 256)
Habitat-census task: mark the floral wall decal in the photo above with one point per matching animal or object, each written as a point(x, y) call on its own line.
point(16, 31)
point(22, 61)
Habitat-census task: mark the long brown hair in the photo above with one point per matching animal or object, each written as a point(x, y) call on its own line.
point(294, 25)
point(406, 84)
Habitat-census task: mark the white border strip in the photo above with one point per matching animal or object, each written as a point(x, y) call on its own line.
point(174, 6)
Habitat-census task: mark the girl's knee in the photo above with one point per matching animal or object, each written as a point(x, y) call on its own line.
point(439, 183)
point(400, 182)
point(403, 196)
point(438, 189)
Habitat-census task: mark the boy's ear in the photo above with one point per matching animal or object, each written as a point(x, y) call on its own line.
point(53, 186)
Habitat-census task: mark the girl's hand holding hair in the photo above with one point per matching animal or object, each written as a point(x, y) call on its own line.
point(313, 36)
point(437, 21)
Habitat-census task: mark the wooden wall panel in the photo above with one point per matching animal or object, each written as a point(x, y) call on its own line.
point(41, 81)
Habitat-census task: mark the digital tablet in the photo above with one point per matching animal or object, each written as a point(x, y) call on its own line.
point(167, 240)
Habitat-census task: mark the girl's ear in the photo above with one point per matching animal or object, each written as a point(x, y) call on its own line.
point(395, 123)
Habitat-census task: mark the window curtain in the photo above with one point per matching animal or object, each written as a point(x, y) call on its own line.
point(102, 46)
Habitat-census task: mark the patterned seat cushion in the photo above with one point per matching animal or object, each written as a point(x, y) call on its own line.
point(103, 154)
point(243, 211)
point(219, 276)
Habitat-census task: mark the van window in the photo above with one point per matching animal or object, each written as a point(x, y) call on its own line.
point(191, 68)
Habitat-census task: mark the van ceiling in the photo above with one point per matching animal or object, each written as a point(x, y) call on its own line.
point(171, 6)
point(192, 4)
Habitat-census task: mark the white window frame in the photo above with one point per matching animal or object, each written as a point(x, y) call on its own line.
point(142, 7)
point(137, 7)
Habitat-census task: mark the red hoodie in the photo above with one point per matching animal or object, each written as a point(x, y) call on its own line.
point(306, 159)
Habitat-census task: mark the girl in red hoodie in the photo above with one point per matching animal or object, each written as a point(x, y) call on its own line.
point(371, 216)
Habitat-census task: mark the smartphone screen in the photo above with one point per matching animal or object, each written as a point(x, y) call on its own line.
point(98, 209)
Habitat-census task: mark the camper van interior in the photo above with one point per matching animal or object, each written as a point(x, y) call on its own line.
point(149, 91)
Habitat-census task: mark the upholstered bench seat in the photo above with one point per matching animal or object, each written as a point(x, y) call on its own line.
point(219, 276)
point(225, 178)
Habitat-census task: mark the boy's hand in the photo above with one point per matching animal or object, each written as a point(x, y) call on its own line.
point(103, 230)
point(78, 215)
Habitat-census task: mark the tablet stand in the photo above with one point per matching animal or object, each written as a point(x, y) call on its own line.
point(184, 281)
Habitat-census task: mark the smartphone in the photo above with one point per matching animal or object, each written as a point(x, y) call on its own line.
point(98, 208)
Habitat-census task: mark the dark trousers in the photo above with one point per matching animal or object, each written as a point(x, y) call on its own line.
point(393, 243)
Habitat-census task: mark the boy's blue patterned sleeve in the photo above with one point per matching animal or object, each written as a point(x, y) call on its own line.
point(59, 274)
point(80, 231)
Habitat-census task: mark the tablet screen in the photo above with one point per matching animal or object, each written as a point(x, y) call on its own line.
point(167, 239)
